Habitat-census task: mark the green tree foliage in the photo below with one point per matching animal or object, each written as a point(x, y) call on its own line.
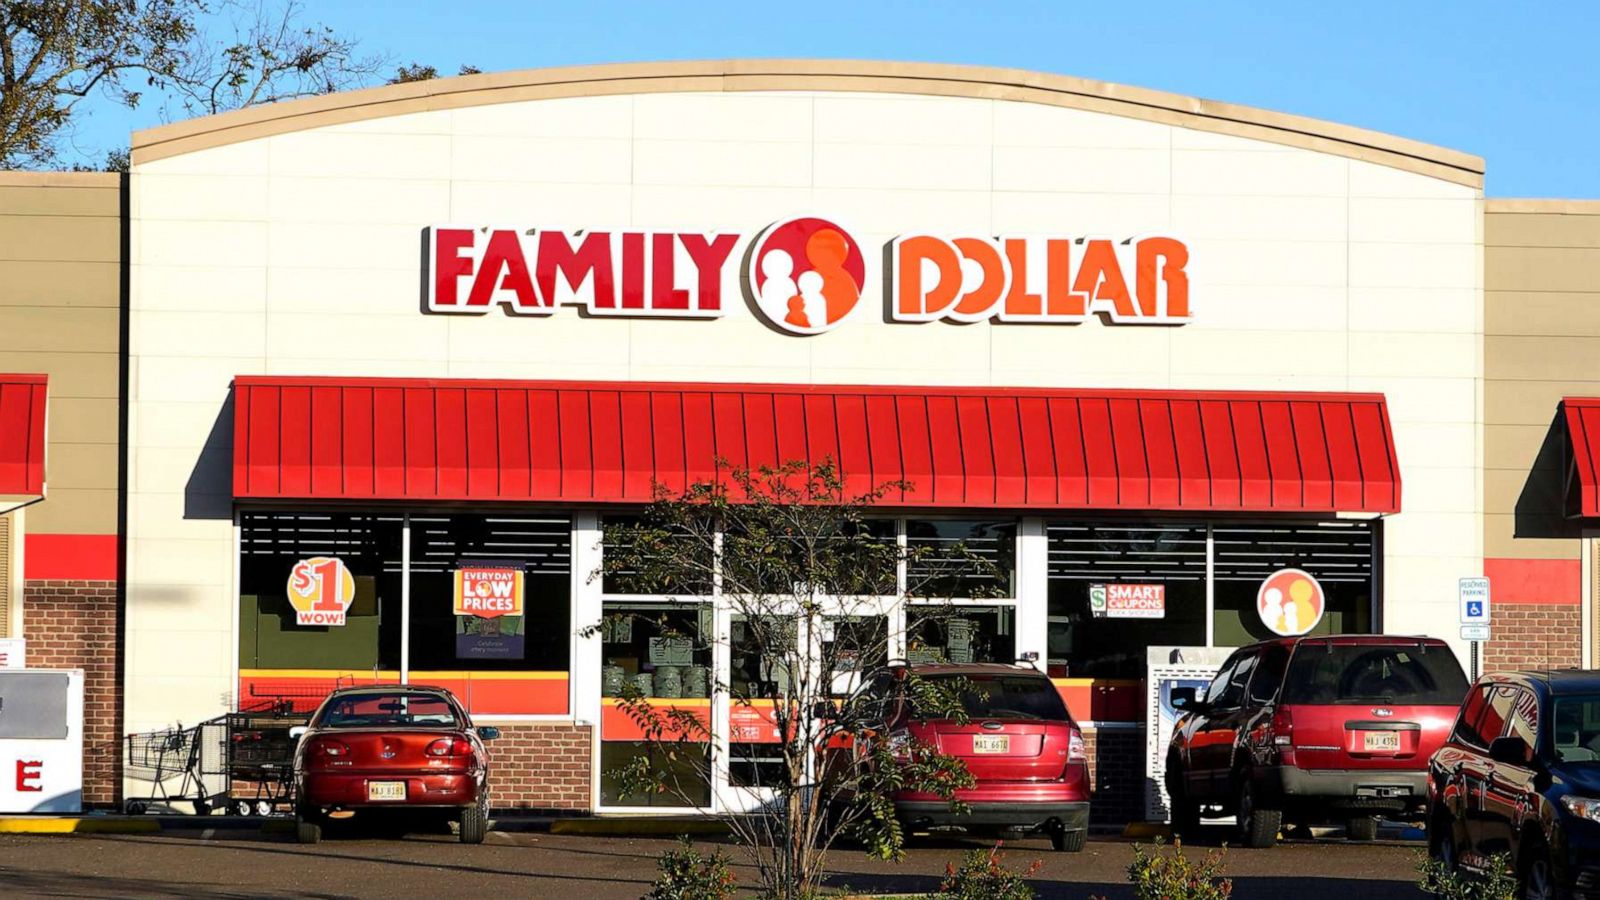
point(688, 874)
point(1173, 876)
point(803, 567)
point(196, 57)
point(1497, 882)
point(410, 72)
point(983, 875)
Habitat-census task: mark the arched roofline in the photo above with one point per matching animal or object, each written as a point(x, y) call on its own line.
point(809, 75)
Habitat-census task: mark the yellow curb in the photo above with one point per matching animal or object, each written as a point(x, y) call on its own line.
point(1147, 830)
point(623, 825)
point(70, 825)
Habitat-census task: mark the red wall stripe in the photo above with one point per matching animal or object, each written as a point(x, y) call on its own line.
point(614, 442)
point(69, 557)
point(1552, 581)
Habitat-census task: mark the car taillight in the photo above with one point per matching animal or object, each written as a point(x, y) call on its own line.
point(1282, 733)
point(450, 747)
point(330, 748)
point(1076, 751)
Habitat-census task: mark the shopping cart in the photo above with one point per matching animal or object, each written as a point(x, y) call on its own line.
point(181, 765)
point(261, 757)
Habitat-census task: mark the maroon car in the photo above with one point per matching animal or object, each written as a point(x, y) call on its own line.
point(392, 754)
point(1018, 742)
point(1311, 730)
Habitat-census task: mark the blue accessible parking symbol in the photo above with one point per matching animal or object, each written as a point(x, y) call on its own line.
point(1474, 609)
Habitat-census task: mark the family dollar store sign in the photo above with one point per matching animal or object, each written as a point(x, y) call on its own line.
point(1128, 601)
point(488, 592)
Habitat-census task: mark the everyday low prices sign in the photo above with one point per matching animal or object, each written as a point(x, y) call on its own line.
point(1128, 601)
point(488, 593)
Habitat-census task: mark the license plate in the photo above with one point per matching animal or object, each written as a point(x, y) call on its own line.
point(386, 790)
point(991, 743)
point(1380, 741)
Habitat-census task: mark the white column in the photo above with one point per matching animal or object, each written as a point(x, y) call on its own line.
point(586, 612)
point(1211, 588)
point(405, 600)
point(1033, 590)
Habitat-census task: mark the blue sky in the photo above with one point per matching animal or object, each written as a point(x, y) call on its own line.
point(1517, 84)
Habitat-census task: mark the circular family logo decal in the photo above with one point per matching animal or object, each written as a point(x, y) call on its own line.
point(1290, 602)
point(806, 275)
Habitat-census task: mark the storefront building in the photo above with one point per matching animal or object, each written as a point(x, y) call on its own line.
point(1141, 351)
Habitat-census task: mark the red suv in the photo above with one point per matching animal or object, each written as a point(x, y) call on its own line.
point(1313, 729)
point(1019, 743)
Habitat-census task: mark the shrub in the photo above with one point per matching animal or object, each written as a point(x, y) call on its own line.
point(984, 876)
point(688, 874)
point(1175, 877)
point(1495, 883)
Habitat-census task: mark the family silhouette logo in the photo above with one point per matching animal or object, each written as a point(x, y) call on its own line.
point(806, 274)
point(1290, 602)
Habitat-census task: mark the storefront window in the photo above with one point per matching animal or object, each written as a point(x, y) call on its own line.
point(760, 650)
point(468, 612)
point(1158, 574)
point(669, 563)
point(1337, 554)
point(860, 559)
point(345, 612)
point(946, 556)
point(960, 634)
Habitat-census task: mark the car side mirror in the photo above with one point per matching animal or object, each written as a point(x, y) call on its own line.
point(1183, 699)
point(488, 732)
point(1510, 750)
point(296, 732)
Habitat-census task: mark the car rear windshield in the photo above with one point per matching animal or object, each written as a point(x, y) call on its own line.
point(1407, 674)
point(1577, 729)
point(388, 709)
point(1008, 696)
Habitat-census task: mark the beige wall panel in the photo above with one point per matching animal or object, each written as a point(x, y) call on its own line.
point(1540, 268)
point(74, 511)
point(1541, 358)
point(82, 420)
point(65, 330)
point(1512, 446)
point(1542, 313)
point(1536, 230)
point(91, 375)
point(63, 238)
point(1531, 402)
point(20, 200)
point(91, 466)
point(58, 284)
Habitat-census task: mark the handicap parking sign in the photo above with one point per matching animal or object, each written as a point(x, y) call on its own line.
point(1475, 601)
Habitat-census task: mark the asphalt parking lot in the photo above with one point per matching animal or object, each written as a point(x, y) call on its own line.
point(248, 865)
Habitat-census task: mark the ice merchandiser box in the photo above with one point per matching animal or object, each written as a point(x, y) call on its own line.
point(41, 740)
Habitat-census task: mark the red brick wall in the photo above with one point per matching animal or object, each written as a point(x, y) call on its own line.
point(1533, 635)
point(540, 766)
point(73, 625)
point(1116, 771)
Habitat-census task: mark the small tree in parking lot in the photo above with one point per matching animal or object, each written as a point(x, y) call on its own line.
point(804, 573)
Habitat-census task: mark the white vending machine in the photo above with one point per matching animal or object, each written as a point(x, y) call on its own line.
point(41, 740)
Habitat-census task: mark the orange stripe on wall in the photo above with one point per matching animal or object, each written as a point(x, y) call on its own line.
point(1557, 582)
point(69, 557)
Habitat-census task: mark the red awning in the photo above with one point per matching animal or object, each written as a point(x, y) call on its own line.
point(977, 448)
point(1583, 431)
point(22, 406)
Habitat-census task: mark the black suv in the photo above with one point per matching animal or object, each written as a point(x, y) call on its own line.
point(1520, 776)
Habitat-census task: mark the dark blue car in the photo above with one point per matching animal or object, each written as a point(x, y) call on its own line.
point(1520, 777)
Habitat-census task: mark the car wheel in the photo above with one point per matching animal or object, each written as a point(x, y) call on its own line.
point(137, 807)
point(1258, 827)
point(1185, 816)
point(1442, 840)
point(1535, 880)
point(1362, 828)
point(306, 829)
point(1064, 841)
point(474, 820)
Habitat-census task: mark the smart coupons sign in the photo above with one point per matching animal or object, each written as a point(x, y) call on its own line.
point(1128, 601)
point(807, 275)
point(321, 590)
point(488, 593)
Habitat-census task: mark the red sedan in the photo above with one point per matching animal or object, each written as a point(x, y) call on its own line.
point(392, 752)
